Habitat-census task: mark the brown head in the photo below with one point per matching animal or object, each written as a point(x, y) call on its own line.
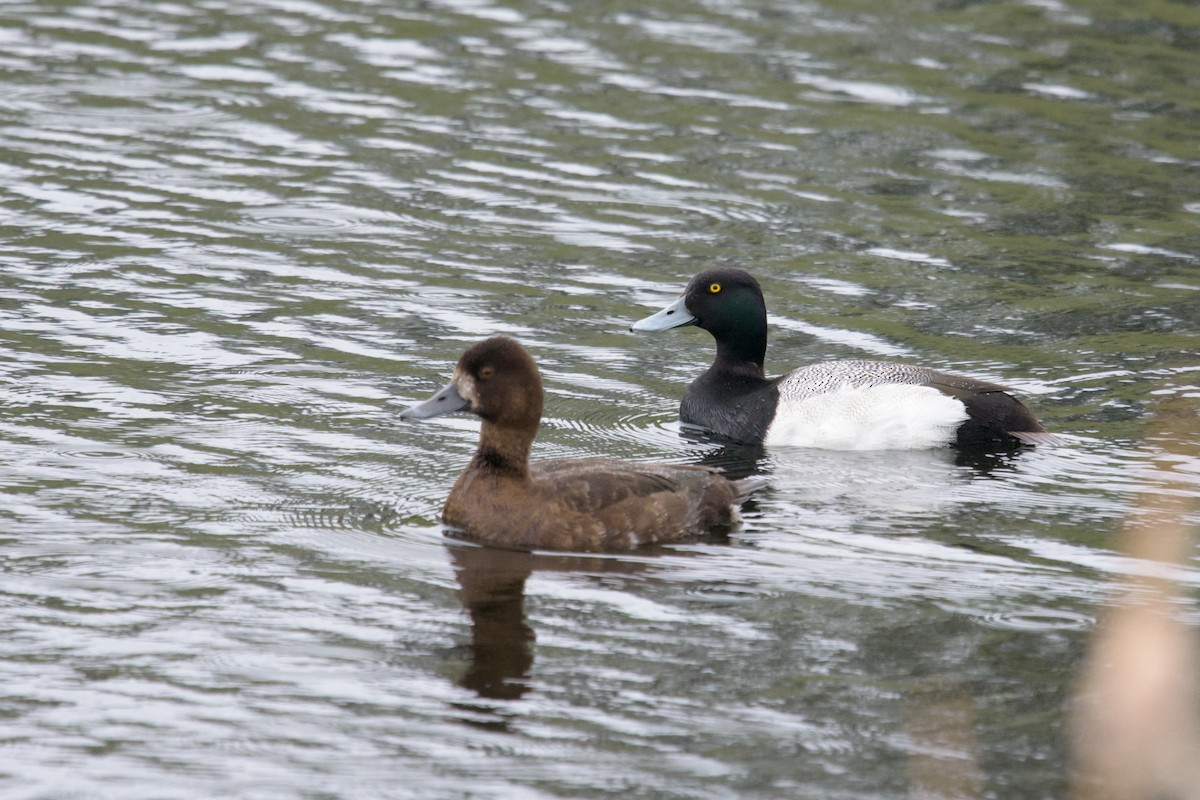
point(497, 380)
point(501, 383)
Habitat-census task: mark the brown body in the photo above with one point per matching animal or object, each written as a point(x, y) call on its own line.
point(591, 504)
point(597, 504)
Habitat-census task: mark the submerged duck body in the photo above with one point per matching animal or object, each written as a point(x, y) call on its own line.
point(845, 405)
point(594, 504)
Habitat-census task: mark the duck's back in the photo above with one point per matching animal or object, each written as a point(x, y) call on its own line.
point(857, 404)
point(595, 505)
point(627, 504)
point(829, 376)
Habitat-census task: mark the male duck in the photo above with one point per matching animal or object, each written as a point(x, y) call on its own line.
point(592, 504)
point(848, 405)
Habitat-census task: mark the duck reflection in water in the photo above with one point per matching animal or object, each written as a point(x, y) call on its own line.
point(492, 590)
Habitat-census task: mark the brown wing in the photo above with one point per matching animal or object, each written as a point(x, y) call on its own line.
point(626, 504)
point(595, 483)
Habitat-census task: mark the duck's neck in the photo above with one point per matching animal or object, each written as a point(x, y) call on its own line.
point(503, 450)
point(742, 355)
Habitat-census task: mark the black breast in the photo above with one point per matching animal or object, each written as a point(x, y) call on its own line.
point(740, 410)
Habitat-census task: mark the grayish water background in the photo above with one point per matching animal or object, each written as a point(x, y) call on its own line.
point(238, 237)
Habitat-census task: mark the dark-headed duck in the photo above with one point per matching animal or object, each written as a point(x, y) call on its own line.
point(501, 499)
point(848, 405)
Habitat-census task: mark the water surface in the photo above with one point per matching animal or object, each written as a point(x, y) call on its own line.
point(240, 237)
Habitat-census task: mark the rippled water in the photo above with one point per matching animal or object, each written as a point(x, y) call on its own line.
point(240, 237)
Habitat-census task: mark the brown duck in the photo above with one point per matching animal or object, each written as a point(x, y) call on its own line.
point(593, 504)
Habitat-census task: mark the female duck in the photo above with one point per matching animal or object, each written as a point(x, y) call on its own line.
point(848, 405)
point(586, 504)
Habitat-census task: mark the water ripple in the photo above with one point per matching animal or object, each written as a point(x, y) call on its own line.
point(239, 238)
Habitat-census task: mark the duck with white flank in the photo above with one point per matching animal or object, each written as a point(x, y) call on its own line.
point(844, 405)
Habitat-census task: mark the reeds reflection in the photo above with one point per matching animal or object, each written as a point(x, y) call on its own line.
point(1136, 725)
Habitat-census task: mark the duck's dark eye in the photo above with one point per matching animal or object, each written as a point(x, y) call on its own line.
point(714, 288)
point(486, 373)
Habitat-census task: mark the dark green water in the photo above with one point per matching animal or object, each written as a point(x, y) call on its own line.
point(239, 237)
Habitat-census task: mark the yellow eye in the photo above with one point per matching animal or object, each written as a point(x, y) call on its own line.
point(486, 373)
point(714, 288)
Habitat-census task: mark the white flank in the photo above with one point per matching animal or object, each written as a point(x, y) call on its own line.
point(889, 416)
